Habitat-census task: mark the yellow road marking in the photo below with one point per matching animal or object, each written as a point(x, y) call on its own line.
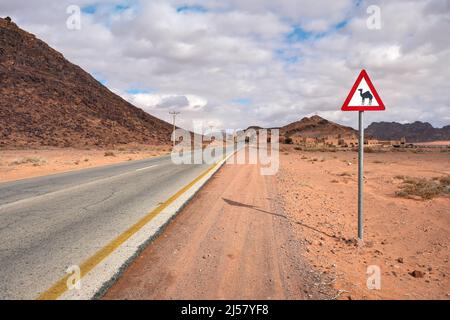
point(61, 286)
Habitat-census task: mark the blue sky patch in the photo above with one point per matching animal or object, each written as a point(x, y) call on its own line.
point(194, 9)
point(341, 25)
point(299, 34)
point(89, 9)
point(121, 7)
point(242, 101)
point(137, 91)
point(99, 78)
point(288, 56)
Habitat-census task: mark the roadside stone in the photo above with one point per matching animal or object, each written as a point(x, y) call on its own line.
point(417, 274)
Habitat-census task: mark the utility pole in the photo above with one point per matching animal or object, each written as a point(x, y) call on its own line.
point(211, 132)
point(174, 115)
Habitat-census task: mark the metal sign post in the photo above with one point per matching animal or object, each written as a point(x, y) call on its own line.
point(366, 99)
point(360, 176)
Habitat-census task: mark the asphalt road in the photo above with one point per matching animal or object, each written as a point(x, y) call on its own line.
point(50, 223)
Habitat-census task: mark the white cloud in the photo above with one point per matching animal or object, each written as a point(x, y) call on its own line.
point(200, 61)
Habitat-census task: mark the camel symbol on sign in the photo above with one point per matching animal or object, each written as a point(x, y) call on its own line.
point(365, 95)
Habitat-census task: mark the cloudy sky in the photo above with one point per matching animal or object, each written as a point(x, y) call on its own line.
point(235, 63)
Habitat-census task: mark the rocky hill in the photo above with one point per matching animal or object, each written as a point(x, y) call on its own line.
point(316, 127)
point(413, 132)
point(48, 101)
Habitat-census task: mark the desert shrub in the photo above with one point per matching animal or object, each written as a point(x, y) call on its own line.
point(298, 148)
point(29, 160)
point(288, 141)
point(445, 180)
point(374, 150)
point(344, 174)
point(109, 154)
point(424, 188)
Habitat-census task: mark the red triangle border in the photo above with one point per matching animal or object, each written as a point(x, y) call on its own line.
point(346, 107)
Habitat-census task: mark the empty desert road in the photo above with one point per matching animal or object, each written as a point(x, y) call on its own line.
point(232, 241)
point(50, 223)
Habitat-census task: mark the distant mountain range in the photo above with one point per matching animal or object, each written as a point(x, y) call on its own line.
point(48, 101)
point(318, 127)
point(413, 132)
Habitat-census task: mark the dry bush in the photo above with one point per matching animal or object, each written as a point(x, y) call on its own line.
point(374, 150)
point(424, 188)
point(29, 160)
point(320, 149)
point(109, 154)
point(445, 180)
point(344, 174)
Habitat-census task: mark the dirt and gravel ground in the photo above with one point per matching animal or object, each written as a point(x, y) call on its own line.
point(401, 235)
point(21, 164)
point(233, 241)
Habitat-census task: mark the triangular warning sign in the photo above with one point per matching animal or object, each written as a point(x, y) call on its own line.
point(363, 96)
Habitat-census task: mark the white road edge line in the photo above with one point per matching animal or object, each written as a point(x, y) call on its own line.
point(97, 281)
point(146, 168)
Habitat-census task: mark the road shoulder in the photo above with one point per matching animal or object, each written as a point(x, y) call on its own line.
point(232, 241)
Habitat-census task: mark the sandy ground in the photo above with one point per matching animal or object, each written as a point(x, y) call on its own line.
point(231, 242)
point(433, 143)
point(21, 164)
point(401, 235)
